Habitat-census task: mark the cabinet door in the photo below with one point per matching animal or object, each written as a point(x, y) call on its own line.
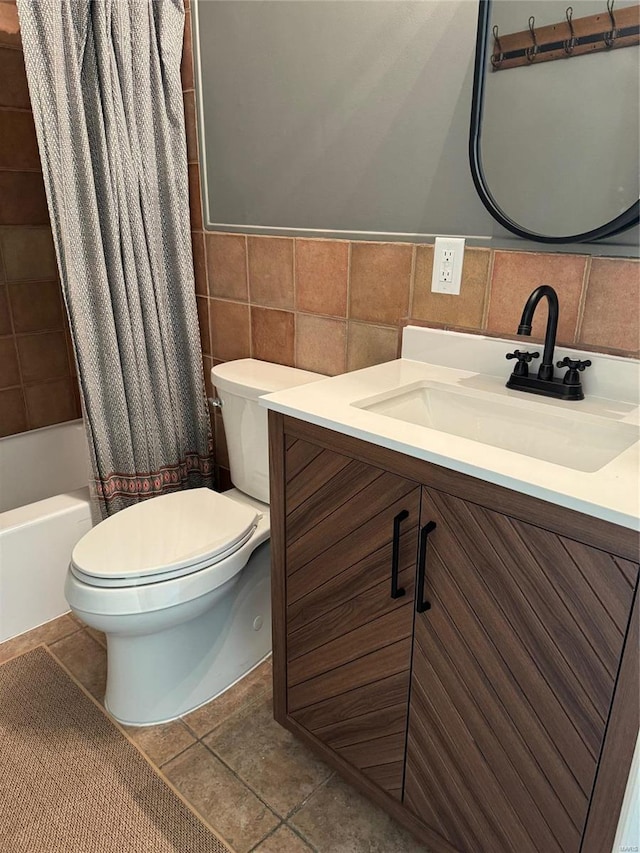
point(348, 646)
point(514, 668)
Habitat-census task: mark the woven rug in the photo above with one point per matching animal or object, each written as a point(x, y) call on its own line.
point(71, 782)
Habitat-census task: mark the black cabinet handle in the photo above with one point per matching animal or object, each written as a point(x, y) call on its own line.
point(395, 554)
point(421, 604)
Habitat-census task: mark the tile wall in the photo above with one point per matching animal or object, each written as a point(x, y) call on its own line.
point(334, 305)
point(331, 306)
point(37, 373)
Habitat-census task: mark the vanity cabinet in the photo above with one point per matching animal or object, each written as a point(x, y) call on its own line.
point(514, 669)
point(493, 705)
point(348, 646)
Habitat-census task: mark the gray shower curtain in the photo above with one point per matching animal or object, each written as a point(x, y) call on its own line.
point(104, 79)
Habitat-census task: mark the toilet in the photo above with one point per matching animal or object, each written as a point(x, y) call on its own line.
point(180, 584)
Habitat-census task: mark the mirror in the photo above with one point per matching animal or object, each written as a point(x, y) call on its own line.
point(350, 119)
point(554, 144)
point(345, 118)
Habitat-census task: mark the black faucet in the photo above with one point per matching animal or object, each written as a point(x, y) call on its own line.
point(568, 388)
point(526, 321)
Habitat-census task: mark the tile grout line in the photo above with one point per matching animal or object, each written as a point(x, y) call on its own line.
point(412, 279)
point(82, 630)
point(169, 760)
point(226, 719)
point(582, 299)
point(299, 835)
point(242, 782)
point(249, 302)
point(283, 820)
point(13, 335)
point(294, 308)
point(487, 292)
point(301, 805)
point(248, 785)
point(294, 811)
point(268, 835)
point(48, 644)
point(347, 307)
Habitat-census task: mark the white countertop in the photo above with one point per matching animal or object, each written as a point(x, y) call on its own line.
point(612, 386)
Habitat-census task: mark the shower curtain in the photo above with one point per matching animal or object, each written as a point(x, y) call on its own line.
point(104, 79)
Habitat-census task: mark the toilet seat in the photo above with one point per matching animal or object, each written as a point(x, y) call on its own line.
point(163, 538)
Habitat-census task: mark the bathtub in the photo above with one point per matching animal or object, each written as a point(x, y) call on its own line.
point(44, 510)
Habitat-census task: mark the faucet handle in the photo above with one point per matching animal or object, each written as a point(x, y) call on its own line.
point(522, 356)
point(521, 368)
point(574, 364)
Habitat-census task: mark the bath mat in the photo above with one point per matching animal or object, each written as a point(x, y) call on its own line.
point(71, 782)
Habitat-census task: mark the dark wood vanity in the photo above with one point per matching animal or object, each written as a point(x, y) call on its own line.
point(465, 655)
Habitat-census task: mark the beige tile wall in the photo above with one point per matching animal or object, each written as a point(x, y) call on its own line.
point(37, 381)
point(346, 309)
point(332, 306)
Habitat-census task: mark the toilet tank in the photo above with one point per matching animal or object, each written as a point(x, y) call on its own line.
point(238, 385)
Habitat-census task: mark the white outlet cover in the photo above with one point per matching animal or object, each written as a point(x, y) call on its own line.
point(447, 274)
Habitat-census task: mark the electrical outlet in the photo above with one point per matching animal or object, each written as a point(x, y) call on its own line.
point(448, 257)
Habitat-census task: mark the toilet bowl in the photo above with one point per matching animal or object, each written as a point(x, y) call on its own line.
point(180, 584)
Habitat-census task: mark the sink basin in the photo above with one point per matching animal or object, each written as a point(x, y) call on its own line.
point(540, 430)
point(444, 402)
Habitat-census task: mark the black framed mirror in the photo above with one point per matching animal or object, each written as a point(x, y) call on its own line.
point(554, 144)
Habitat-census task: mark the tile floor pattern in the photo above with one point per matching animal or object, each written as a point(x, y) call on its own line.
point(257, 785)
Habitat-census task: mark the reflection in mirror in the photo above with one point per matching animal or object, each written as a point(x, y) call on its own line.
point(555, 144)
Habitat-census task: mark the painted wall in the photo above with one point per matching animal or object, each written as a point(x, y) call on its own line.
point(37, 373)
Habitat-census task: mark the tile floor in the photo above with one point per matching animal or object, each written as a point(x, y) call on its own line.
point(260, 788)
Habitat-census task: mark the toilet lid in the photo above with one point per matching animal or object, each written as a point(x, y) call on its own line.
point(163, 537)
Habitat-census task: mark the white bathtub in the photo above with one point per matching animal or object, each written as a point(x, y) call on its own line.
point(44, 510)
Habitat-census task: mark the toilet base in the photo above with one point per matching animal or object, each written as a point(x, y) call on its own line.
point(154, 676)
point(202, 704)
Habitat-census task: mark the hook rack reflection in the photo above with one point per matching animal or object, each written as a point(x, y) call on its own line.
point(568, 38)
point(497, 56)
point(612, 35)
point(533, 50)
point(572, 41)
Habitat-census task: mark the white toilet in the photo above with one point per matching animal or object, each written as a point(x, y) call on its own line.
point(180, 584)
